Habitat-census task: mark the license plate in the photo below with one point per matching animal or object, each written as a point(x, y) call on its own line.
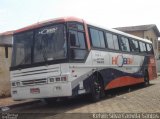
point(34, 90)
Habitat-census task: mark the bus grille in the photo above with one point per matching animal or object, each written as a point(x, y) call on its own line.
point(34, 82)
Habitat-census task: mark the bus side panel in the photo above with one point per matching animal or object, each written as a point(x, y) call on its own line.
point(129, 74)
point(119, 79)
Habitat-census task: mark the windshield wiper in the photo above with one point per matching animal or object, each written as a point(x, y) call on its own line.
point(44, 53)
point(43, 49)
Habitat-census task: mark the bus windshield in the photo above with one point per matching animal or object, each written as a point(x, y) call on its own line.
point(40, 45)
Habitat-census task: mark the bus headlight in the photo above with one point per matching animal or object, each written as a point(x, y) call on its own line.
point(57, 79)
point(18, 83)
point(64, 78)
point(15, 84)
point(51, 79)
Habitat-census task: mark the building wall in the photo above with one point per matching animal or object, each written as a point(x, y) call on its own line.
point(150, 34)
point(5, 62)
point(6, 40)
point(137, 33)
point(159, 48)
point(4, 71)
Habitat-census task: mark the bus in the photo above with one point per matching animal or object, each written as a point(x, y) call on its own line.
point(67, 57)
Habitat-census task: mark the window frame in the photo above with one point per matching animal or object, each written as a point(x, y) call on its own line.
point(138, 45)
point(113, 41)
point(33, 64)
point(150, 53)
point(69, 47)
point(128, 44)
point(119, 36)
point(90, 37)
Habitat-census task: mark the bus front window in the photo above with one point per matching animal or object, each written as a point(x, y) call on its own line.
point(40, 45)
point(50, 44)
point(22, 48)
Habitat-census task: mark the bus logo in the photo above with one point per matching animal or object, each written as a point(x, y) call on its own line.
point(120, 60)
point(48, 31)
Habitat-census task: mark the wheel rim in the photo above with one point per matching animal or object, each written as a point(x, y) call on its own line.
point(97, 87)
point(146, 79)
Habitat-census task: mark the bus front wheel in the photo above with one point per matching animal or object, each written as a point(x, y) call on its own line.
point(97, 89)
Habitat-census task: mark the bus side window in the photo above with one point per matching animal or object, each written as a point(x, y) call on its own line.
point(142, 47)
point(97, 38)
point(78, 48)
point(124, 44)
point(134, 45)
point(149, 48)
point(74, 42)
point(112, 41)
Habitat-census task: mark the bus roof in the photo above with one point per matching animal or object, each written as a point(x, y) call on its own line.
point(65, 19)
point(48, 22)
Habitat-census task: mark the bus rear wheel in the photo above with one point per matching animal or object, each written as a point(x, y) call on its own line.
point(146, 79)
point(97, 89)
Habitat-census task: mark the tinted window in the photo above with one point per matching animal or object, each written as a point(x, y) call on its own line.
point(50, 43)
point(97, 38)
point(77, 39)
point(142, 47)
point(74, 38)
point(101, 38)
point(78, 49)
point(75, 26)
point(112, 41)
point(22, 46)
point(116, 44)
point(40, 45)
point(77, 54)
point(149, 48)
point(81, 40)
point(72, 25)
point(134, 46)
point(80, 27)
point(124, 44)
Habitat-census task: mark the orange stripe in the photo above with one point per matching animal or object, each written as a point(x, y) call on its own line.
point(123, 81)
point(47, 22)
point(87, 36)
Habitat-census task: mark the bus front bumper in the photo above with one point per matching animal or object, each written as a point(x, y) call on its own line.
point(42, 91)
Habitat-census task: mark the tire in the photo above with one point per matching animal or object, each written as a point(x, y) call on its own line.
point(146, 79)
point(97, 89)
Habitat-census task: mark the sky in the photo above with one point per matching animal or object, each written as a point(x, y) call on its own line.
point(15, 14)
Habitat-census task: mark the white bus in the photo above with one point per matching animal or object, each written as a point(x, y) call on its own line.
point(67, 57)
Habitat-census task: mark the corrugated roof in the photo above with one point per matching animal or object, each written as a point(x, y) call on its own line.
point(140, 28)
point(7, 33)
